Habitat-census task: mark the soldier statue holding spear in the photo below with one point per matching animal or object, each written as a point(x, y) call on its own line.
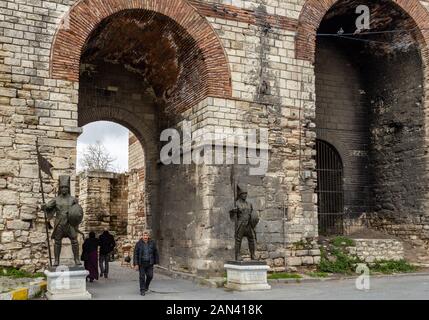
point(66, 210)
point(68, 215)
point(245, 219)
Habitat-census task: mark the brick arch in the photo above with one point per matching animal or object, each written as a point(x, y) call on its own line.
point(314, 11)
point(86, 15)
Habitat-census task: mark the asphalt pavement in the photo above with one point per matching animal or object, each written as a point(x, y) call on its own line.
point(123, 284)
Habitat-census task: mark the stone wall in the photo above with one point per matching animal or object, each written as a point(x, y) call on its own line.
point(104, 199)
point(369, 100)
point(95, 199)
point(138, 217)
point(197, 235)
point(119, 204)
point(135, 153)
point(115, 202)
point(398, 152)
point(372, 250)
point(255, 69)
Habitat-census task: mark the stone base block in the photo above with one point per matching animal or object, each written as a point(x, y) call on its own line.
point(247, 276)
point(64, 283)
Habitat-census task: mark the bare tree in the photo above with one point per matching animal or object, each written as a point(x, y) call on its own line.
point(97, 158)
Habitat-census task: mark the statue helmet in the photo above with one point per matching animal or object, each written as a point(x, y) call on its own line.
point(241, 188)
point(64, 181)
point(75, 215)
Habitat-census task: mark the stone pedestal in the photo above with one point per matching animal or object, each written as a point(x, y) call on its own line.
point(67, 283)
point(247, 275)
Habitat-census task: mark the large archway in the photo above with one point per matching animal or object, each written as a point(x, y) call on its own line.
point(370, 105)
point(142, 65)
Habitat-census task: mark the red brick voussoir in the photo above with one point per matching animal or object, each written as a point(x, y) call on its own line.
point(85, 16)
point(314, 10)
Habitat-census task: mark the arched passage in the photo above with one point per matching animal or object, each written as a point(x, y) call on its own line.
point(142, 64)
point(110, 92)
point(370, 102)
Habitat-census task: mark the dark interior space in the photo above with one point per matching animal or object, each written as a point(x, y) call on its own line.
point(369, 107)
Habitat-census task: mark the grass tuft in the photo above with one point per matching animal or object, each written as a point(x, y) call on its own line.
point(340, 262)
point(318, 274)
point(342, 242)
point(16, 273)
point(390, 266)
point(284, 275)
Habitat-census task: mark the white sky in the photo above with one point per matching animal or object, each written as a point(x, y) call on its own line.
point(113, 136)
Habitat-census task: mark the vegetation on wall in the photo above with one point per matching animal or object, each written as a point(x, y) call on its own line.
point(335, 258)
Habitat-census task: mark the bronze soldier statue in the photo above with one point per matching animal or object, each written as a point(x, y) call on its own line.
point(68, 215)
point(245, 223)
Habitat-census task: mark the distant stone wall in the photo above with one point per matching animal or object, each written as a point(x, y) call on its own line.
point(136, 215)
point(119, 204)
point(104, 199)
point(135, 153)
point(113, 201)
point(371, 250)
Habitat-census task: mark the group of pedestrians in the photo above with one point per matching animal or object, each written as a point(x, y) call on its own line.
point(92, 259)
point(145, 257)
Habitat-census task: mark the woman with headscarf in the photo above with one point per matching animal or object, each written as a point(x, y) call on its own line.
point(90, 256)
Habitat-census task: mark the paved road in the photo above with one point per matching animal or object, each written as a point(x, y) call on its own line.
point(123, 285)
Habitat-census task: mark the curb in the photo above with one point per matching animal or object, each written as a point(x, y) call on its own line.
point(218, 283)
point(210, 282)
point(25, 293)
point(341, 278)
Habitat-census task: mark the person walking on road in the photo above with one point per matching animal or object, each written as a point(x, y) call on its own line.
point(145, 257)
point(89, 256)
point(107, 245)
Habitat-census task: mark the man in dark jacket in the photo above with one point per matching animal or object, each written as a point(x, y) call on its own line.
point(107, 244)
point(145, 256)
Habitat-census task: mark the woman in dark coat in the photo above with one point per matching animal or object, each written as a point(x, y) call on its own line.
point(90, 256)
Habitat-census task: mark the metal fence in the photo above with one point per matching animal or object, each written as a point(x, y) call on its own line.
point(330, 189)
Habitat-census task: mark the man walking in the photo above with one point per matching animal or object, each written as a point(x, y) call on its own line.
point(145, 256)
point(107, 244)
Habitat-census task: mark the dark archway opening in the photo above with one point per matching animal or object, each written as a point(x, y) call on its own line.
point(369, 106)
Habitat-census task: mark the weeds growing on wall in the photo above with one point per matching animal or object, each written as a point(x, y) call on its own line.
point(337, 261)
point(341, 241)
point(389, 267)
point(335, 258)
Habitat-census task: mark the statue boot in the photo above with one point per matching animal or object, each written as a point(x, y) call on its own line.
point(237, 250)
point(57, 253)
point(252, 250)
point(75, 249)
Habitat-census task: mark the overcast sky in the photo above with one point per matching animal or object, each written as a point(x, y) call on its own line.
point(113, 136)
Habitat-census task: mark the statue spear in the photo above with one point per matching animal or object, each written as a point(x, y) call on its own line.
point(46, 167)
point(234, 188)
